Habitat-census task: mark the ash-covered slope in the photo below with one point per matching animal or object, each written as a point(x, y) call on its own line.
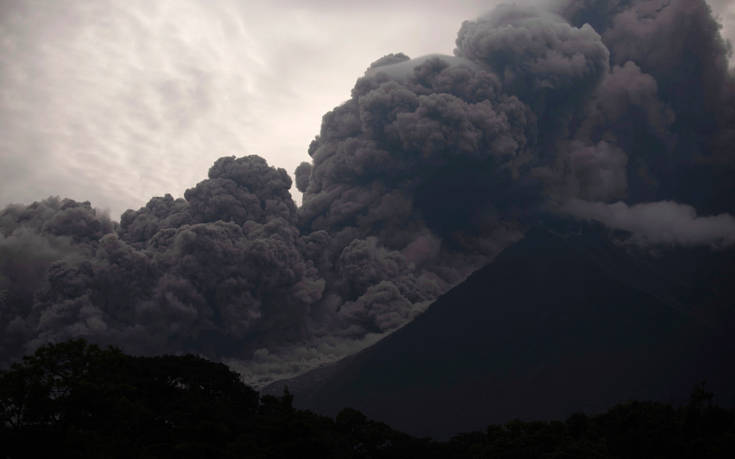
point(562, 321)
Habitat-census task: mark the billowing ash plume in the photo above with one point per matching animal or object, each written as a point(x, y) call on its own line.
point(621, 111)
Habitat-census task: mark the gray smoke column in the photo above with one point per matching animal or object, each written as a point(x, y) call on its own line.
point(537, 54)
point(621, 111)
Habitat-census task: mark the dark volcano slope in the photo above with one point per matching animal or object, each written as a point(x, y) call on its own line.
point(562, 321)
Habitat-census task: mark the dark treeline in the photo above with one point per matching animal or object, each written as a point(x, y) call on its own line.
point(74, 399)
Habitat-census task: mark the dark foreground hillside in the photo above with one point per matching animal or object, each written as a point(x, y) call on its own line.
point(565, 320)
point(77, 400)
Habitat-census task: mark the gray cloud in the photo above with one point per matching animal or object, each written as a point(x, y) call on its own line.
point(596, 172)
point(533, 50)
point(664, 222)
point(302, 174)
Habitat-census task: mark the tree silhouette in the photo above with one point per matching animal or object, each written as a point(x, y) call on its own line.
point(75, 399)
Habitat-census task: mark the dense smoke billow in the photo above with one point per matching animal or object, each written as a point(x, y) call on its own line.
point(620, 111)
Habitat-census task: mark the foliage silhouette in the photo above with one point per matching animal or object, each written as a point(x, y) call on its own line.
point(74, 399)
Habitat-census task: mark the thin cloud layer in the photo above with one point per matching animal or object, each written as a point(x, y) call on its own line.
point(664, 222)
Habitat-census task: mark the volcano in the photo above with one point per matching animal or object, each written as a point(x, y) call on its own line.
point(570, 318)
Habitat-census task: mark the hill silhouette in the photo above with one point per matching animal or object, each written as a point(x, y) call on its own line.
point(565, 320)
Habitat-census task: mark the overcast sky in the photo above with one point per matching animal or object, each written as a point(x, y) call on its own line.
point(117, 101)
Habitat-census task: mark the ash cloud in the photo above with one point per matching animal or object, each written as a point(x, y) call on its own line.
point(618, 111)
point(535, 52)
